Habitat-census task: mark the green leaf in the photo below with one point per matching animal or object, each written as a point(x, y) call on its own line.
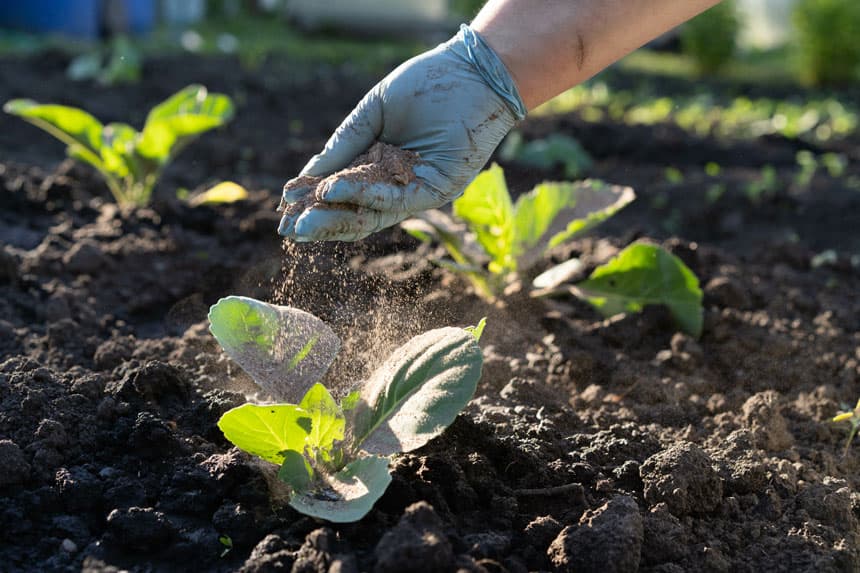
point(552, 213)
point(178, 120)
point(117, 149)
point(284, 349)
point(347, 495)
point(267, 431)
point(350, 401)
point(645, 274)
point(327, 419)
point(295, 471)
point(467, 255)
point(486, 207)
point(222, 193)
point(478, 329)
point(417, 392)
point(71, 125)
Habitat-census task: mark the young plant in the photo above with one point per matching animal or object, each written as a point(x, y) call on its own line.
point(334, 455)
point(826, 41)
point(130, 161)
point(697, 37)
point(120, 63)
point(644, 274)
point(853, 418)
point(510, 237)
point(546, 153)
point(763, 187)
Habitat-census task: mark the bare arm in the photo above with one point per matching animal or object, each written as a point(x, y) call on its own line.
point(552, 45)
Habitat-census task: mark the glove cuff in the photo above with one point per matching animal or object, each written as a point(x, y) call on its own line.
point(492, 69)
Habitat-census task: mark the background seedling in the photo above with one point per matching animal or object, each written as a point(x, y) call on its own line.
point(546, 153)
point(120, 63)
point(853, 418)
point(334, 455)
point(762, 187)
point(492, 238)
point(130, 162)
point(697, 37)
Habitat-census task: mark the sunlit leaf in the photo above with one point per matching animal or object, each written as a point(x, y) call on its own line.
point(327, 420)
point(266, 431)
point(478, 329)
point(179, 119)
point(70, 125)
point(417, 392)
point(552, 213)
point(224, 192)
point(486, 207)
point(284, 349)
point(645, 274)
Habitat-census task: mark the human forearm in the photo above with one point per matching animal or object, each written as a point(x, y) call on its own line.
point(552, 45)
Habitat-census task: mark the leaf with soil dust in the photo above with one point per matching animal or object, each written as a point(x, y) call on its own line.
point(349, 494)
point(417, 392)
point(284, 349)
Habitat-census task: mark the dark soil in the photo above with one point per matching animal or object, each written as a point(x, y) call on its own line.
point(591, 445)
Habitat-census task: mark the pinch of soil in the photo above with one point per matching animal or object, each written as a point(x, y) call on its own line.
point(607, 539)
point(762, 414)
point(417, 543)
point(317, 553)
point(383, 163)
point(8, 266)
point(14, 468)
point(270, 554)
point(683, 478)
point(113, 352)
point(726, 292)
point(85, 257)
point(139, 529)
point(665, 537)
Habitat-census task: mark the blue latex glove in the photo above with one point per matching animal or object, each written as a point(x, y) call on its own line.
point(451, 105)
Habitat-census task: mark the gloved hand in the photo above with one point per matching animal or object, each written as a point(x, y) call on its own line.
point(451, 105)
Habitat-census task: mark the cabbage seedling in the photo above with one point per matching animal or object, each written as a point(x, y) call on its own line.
point(334, 455)
point(130, 161)
point(644, 274)
point(510, 237)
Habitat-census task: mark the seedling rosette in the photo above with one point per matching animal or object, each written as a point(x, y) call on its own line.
point(491, 239)
point(334, 455)
point(130, 161)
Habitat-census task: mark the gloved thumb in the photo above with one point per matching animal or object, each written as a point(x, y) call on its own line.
point(352, 138)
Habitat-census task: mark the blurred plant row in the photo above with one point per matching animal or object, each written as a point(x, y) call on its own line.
point(825, 50)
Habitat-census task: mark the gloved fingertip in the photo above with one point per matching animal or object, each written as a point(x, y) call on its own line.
point(287, 226)
point(337, 191)
point(295, 194)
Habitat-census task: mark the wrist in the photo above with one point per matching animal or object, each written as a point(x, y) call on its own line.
point(492, 69)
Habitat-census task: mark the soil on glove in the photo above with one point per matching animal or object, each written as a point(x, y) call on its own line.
point(382, 163)
point(591, 445)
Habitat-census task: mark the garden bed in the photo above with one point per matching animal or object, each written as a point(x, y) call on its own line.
point(591, 445)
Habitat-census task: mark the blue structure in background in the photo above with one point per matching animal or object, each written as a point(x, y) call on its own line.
point(80, 18)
